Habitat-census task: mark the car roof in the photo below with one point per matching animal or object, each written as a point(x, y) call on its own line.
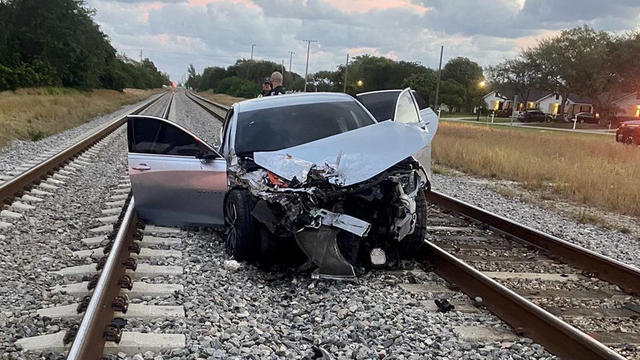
point(291, 99)
point(632, 122)
point(380, 91)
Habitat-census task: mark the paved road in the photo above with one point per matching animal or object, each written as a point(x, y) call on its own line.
point(524, 125)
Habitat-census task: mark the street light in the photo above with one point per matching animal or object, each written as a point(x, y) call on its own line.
point(359, 83)
point(482, 84)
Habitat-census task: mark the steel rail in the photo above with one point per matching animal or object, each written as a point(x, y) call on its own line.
point(625, 276)
point(526, 318)
point(90, 338)
point(20, 183)
point(167, 109)
point(201, 101)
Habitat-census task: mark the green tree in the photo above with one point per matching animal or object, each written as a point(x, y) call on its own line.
point(468, 74)
point(424, 83)
point(193, 79)
point(588, 62)
point(452, 93)
point(56, 42)
point(519, 75)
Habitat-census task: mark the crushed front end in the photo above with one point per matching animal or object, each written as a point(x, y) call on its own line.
point(336, 226)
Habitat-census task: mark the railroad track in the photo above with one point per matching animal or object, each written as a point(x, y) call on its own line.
point(576, 303)
point(105, 279)
point(36, 172)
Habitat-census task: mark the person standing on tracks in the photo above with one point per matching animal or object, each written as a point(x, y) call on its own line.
point(276, 84)
point(266, 88)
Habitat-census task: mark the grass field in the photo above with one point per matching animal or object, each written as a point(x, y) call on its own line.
point(32, 114)
point(588, 169)
point(223, 99)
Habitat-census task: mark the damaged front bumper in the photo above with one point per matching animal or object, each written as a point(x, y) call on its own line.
point(375, 214)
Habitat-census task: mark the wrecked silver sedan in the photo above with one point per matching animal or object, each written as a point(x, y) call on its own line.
point(315, 170)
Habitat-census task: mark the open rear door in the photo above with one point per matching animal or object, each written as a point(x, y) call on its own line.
point(407, 112)
point(177, 179)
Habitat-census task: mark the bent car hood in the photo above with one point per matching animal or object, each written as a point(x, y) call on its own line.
point(350, 157)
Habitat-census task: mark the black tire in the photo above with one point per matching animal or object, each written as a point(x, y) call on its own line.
point(412, 244)
point(628, 140)
point(242, 238)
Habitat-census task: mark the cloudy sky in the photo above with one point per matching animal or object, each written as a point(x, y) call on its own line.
point(175, 33)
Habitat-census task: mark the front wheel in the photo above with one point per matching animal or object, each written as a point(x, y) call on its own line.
point(241, 231)
point(410, 245)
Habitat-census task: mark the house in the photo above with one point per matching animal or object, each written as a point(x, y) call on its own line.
point(495, 100)
point(504, 100)
point(574, 103)
point(628, 105)
point(539, 99)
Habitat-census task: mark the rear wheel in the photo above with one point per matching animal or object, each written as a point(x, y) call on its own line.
point(241, 231)
point(410, 245)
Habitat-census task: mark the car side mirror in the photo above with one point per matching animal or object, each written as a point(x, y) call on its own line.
point(206, 157)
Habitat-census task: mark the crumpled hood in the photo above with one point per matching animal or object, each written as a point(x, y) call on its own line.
point(350, 157)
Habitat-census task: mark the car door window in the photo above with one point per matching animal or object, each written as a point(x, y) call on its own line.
point(155, 136)
point(381, 104)
point(406, 110)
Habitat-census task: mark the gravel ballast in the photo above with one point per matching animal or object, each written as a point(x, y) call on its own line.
point(42, 241)
point(236, 311)
point(479, 192)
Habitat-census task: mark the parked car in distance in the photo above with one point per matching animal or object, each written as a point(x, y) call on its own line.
point(533, 116)
point(585, 117)
point(629, 132)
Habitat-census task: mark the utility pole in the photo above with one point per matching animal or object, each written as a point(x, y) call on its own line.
point(252, 46)
point(140, 56)
point(306, 70)
point(346, 68)
point(435, 103)
point(290, 59)
point(283, 68)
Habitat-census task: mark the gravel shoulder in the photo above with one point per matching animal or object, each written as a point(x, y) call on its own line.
point(621, 241)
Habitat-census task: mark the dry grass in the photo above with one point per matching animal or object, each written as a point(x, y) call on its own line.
point(587, 169)
point(32, 114)
point(223, 99)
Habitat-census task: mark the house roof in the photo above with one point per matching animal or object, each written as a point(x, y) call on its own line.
point(536, 95)
point(579, 99)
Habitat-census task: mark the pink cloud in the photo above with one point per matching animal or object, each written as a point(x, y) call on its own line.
point(146, 8)
point(247, 3)
point(531, 41)
point(362, 6)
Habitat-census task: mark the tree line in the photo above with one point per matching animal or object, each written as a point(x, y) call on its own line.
point(459, 88)
point(582, 61)
point(57, 43)
point(242, 79)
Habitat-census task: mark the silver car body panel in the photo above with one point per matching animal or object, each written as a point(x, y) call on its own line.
point(350, 157)
point(176, 189)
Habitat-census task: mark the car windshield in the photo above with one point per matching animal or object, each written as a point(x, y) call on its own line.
point(286, 126)
point(380, 104)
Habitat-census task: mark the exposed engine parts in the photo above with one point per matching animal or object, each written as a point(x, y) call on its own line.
point(333, 224)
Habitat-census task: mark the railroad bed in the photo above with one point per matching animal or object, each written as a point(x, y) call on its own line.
point(188, 300)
